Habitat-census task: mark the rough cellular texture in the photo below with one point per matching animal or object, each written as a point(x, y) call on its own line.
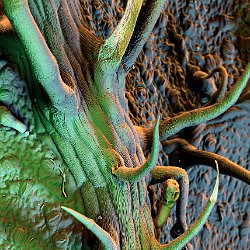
point(202, 34)
point(189, 36)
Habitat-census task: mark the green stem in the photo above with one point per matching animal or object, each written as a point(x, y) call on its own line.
point(43, 63)
point(161, 174)
point(147, 18)
point(113, 49)
point(170, 196)
point(138, 173)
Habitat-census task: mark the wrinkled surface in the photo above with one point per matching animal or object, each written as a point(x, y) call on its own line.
point(189, 35)
point(27, 197)
point(201, 35)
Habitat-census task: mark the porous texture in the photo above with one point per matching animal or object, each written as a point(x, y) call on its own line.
point(33, 183)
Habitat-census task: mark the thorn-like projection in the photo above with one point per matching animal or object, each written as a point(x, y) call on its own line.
point(185, 155)
point(104, 237)
point(173, 125)
point(136, 174)
point(193, 230)
point(220, 92)
point(8, 120)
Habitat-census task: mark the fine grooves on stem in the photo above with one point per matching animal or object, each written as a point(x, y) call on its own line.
point(138, 173)
point(43, 63)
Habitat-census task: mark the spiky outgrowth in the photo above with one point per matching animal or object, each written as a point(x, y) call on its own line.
point(171, 126)
point(136, 174)
point(8, 120)
point(193, 230)
point(90, 142)
point(107, 242)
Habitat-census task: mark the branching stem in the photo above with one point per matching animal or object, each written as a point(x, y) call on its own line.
point(136, 174)
point(42, 61)
point(147, 18)
point(113, 49)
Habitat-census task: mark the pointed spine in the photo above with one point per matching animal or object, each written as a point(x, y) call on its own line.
point(171, 126)
point(138, 173)
point(104, 237)
point(194, 229)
